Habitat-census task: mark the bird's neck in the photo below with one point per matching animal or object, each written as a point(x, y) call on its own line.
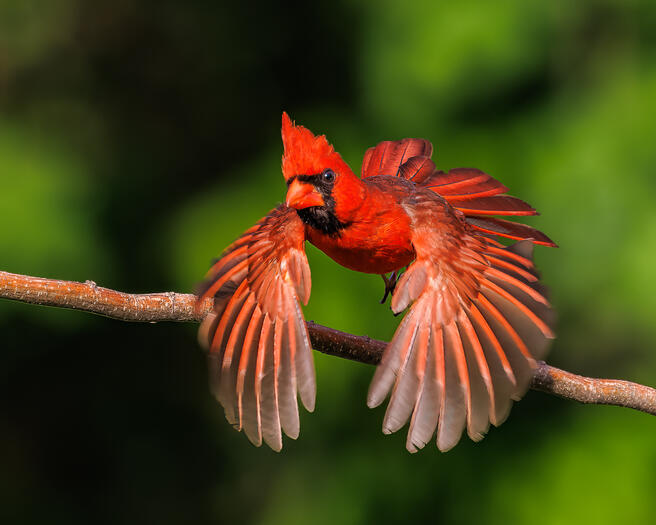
point(349, 199)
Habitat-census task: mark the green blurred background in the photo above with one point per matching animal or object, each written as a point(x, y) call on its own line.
point(137, 139)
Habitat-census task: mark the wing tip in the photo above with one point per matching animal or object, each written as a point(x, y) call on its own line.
point(374, 397)
point(447, 444)
point(413, 447)
point(293, 433)
point(478, 435)
point(309, 404)
point(274, 444)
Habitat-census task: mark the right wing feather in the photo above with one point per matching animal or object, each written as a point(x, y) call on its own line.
point(259, 349)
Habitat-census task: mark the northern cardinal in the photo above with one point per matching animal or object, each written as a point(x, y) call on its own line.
point(477, 317)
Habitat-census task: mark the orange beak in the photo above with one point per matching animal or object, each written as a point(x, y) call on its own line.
point(303, 195)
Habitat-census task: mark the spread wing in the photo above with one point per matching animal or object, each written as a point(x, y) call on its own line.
point(478, 196)
point(386, 158)
point(259, 349)
point(468, 344)
point(472, 191)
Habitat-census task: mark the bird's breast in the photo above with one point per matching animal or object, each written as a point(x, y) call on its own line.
point(376, 241)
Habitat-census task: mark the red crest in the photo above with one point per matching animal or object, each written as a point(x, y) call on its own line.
point(305, 153)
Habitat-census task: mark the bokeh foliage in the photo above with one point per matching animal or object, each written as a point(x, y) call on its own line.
point(137, 139)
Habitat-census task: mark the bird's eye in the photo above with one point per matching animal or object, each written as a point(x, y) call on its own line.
point(328, 175)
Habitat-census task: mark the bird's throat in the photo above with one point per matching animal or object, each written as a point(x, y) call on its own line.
point(323, 219)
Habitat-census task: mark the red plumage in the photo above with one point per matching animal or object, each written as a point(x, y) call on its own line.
point(477, 317)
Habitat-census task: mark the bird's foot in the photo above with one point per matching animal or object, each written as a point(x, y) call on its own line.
point(390, 284)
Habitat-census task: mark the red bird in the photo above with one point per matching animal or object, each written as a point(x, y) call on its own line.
point(477, 318)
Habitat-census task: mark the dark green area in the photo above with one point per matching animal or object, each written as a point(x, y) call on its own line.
point(137, 139)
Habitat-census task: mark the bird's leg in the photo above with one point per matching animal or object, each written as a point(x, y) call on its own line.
point(387, 282)
point(390, 284)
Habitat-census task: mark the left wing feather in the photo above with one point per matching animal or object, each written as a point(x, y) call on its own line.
point(466, 349)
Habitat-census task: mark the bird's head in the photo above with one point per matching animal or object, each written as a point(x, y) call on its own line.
point(320, 185)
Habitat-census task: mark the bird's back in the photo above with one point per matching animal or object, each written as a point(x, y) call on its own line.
point(473, 192)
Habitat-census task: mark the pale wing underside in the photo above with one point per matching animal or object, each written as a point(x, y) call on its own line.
point(259, 350)
point(468, 344)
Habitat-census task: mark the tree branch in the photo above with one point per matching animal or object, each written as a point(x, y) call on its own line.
point(171, 306)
